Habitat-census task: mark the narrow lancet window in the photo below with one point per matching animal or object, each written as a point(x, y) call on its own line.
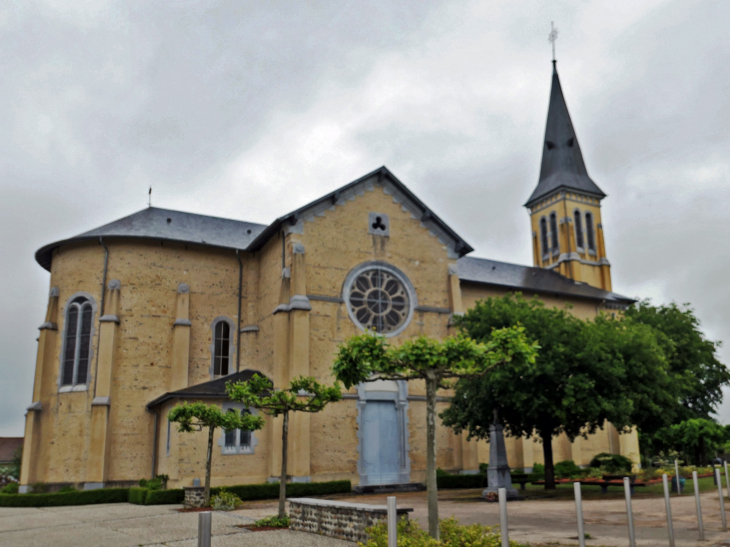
point(221, 348)
point(544, 237)
point(589, 233)
point(77, 342)
point(578, 229)
point(554, 232)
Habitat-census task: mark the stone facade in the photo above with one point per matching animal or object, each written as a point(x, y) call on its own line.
point(154, 335)
point(339, 520)
point(194, 496)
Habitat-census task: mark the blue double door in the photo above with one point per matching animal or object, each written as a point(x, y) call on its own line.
point(382, 443)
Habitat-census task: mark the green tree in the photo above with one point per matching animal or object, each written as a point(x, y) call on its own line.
point(369, 357)
point(695, 439)
point(304, 394)
point(578, 382)
point(696, 373)
point(197, 416)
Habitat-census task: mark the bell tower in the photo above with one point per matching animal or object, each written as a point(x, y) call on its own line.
point(565, 207)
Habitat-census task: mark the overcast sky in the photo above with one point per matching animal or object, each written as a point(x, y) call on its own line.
point(249, 109)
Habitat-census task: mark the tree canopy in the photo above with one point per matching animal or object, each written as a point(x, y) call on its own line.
point(579, 380)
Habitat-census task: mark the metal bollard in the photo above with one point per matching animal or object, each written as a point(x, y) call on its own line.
point(579, 514)
point(503, 528)
point(722, 500)
point(392, 522)
point(629, 513)
point(699, 505)
point(676, 474)
point(205, 526)
point(727, 479)
point(670, 527)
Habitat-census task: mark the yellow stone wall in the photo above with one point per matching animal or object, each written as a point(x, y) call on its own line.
point(324, 446)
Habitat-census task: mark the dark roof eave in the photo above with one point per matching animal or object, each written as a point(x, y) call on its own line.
point(610, 298)
point(534, 199)
point(183, 395)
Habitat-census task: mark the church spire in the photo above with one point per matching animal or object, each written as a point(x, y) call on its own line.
point(562, 162)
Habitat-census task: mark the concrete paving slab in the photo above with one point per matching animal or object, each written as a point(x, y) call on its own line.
point(25, 521)
point(283, 538)
point(66, 536)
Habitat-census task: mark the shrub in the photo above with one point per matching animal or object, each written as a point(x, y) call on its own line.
point(441, 473)
point(538, 469)
point(273, 522)
point(67, 489)
point(612, 463)
point(453, 534)
point(296, 489)
point(460, 481)
point(566, 469)
point(137, 495)
point(165, 497)
point(39, 488)
point(11, 488)
point(483, 467)
point(225, 501)
point(85, 497)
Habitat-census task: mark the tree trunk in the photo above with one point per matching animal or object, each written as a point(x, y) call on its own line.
point(284, 454)
point(547, 452)
point(208, 465)
point(431, 485)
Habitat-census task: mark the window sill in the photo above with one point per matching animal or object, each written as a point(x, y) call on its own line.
point(69, 389)
point(237, 451)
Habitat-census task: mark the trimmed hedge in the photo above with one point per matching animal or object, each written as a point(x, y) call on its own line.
point(137, 495)
point(294, 489)
point(83, 497)
point(165, 497)
point(461, 481)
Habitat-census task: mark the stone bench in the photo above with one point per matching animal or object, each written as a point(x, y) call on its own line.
point(337, 519)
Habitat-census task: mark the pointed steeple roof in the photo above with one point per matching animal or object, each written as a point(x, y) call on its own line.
point(562, 161)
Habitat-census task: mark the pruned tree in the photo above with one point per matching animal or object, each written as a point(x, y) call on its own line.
point(197, 416)
point(304, 394)
point(369, 357)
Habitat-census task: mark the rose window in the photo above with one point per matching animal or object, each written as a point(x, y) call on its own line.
point(379, 300)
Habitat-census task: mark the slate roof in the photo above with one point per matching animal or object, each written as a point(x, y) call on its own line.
point(213, 389)
point(167, 225)
point(178, 226)
point(8, 446)
point(562, 161)
point(526, 278)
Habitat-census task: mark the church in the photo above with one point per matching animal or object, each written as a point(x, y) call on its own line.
point(164, 306)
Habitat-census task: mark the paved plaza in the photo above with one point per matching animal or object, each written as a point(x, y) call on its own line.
point(536, 521)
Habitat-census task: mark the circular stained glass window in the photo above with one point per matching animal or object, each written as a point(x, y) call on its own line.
point(379, 299)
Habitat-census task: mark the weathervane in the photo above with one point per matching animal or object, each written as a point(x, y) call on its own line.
point(552, 37)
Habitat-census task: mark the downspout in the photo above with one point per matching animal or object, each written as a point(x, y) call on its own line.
point(238, 328)
point(155, 438)
point(101, 309)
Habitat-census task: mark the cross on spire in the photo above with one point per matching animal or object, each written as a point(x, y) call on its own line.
point(552, 37)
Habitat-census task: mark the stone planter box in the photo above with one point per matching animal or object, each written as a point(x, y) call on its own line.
point(194, 496)
point(337, 519)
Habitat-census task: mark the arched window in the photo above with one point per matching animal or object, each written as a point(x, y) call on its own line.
point(544, 237)
point(578, 229)
point(222, 347)
point(238, 441)
point(77, 342)
point(554, 231)
point(589, 232)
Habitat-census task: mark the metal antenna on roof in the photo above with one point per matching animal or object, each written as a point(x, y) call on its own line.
point(552, 37)
point(149, 197)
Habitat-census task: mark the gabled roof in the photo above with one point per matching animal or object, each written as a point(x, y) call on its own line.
point(213, 389)
point(400, 193)
point(527, 278)
point(167, 225)
point(562, 162)
point(178, 226)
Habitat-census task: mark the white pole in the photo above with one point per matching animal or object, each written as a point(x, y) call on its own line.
point(670, 528)
point(392, 522)
point(676, 474)
point(579, 514)
point(722, 500)
point(629, 513)
point(699, 505)
point(503, 528)
point(205, 524)
point(727, 479)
